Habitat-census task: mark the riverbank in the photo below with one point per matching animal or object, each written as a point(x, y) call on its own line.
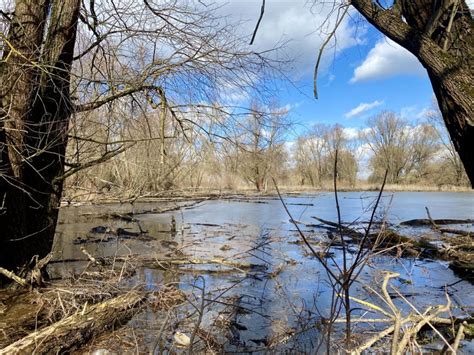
point(209, 193)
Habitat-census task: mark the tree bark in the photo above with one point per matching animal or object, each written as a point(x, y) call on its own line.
point(440, 35)
point(35, 108)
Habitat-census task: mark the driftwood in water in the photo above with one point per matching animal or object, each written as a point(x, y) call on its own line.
point(73, 331)
point(249, 200)
point(383, 238)
point(229, 265)
point(345, 230)
point(436, 226)
point(458, 250)
point(427, 222)
point(464, 268)
point(130, 216)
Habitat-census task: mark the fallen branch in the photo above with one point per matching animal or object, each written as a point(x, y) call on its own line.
point(415, 321)
point(345, 230)
point(439, 222)
point(71, 332)
point(13, 276)
point(37, 274)
point(384, 238)
point(459, 336)
point(167, 263)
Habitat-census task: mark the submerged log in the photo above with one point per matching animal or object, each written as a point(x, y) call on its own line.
point(456, 232)
point(71, 332)
point(169, 263)
point(464, 268)
point(427, 222)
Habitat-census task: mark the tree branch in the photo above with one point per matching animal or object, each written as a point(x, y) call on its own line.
point(262, 11)
point(96, 104)
point(321, 50)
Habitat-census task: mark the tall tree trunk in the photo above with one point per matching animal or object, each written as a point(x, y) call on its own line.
point(440, 34)
point(35, 109)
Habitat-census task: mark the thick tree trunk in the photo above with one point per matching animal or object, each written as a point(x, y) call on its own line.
point(457, 117)
point(448, 58)
point(440, 34)
point(35, 109)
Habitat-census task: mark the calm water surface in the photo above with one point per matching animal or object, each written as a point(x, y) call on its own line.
point(260, 233)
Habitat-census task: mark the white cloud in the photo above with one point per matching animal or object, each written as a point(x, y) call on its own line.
point(363, 154)
point(413, 113)
point(351, 132)
point(295, 25)
point(385, 60)
point(361, 108)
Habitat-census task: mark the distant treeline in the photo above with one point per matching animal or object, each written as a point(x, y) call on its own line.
point(155, 152)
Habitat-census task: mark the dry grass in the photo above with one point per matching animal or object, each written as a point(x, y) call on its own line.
point(365, 186)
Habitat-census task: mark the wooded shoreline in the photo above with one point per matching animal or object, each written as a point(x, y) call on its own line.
point(209, 194)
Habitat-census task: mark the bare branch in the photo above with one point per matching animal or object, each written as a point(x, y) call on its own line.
point(321, 50)
point(262, 11)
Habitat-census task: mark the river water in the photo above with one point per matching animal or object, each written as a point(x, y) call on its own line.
point(283, 302)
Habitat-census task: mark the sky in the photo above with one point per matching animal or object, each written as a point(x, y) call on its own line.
point(362, 72)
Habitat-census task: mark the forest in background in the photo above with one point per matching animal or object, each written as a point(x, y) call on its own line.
point(212, 149)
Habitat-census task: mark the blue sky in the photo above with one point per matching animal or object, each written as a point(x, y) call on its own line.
point(351, 103)
point(361, 73)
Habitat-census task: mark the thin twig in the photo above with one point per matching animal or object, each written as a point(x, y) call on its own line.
point(321, 50)
point(200, 315)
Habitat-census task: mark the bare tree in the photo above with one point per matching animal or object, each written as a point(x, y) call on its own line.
point(262, 140)
point(65, 59)
point(388, 138)
point(424, 144)
point(449, 168)
point(338, 143)
point(315, 152)
point(309, 153)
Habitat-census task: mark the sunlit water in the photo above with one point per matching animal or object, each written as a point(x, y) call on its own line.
point(261, 233)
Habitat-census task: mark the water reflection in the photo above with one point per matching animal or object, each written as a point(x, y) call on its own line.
point(260, 233)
